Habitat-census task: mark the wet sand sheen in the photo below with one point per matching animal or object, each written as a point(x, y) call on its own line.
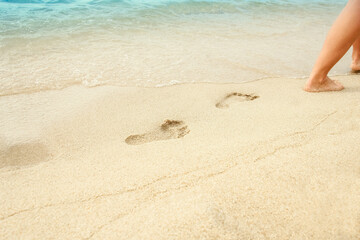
point(191, 161)
point(47, 45)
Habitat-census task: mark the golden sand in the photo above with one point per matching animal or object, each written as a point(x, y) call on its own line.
point(259, 160)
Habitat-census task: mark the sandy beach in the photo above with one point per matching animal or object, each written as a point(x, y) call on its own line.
point(257, 160)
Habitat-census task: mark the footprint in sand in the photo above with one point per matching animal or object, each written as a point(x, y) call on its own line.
point(170, 129)
point(235, 97)
point(22, 154)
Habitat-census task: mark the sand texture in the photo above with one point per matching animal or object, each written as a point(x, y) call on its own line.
point(259, 160)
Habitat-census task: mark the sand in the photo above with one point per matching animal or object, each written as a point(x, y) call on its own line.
point(259, 160)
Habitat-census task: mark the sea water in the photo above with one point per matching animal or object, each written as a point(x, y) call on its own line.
point(53, 44)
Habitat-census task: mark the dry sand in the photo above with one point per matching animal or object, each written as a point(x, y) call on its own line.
point(260, 160)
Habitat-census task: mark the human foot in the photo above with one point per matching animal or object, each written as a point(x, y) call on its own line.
point(323, 86)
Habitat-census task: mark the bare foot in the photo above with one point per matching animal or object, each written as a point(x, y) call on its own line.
point(324, 86)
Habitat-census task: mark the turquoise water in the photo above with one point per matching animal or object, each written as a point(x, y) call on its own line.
point(37, 17)
point(52, 44)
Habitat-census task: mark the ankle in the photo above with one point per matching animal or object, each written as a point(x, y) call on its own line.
point(356, 60)
point(318, 76)
point(317, 79)
point(355, 57)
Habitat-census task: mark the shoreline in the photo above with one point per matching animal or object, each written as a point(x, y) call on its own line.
point(80, 84)
point(255, 160)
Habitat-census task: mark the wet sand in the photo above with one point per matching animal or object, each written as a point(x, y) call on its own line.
point(258, 160)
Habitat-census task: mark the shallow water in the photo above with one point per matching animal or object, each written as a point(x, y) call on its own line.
point(47, 44)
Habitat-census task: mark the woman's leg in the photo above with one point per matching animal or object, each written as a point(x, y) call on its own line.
point(355, 65)
point(341, 36)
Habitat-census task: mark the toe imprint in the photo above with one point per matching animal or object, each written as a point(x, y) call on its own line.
point(170, 129)
point(235, 96)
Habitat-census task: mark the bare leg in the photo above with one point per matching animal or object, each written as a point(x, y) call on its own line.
point(355, 65)
point(341, 36)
